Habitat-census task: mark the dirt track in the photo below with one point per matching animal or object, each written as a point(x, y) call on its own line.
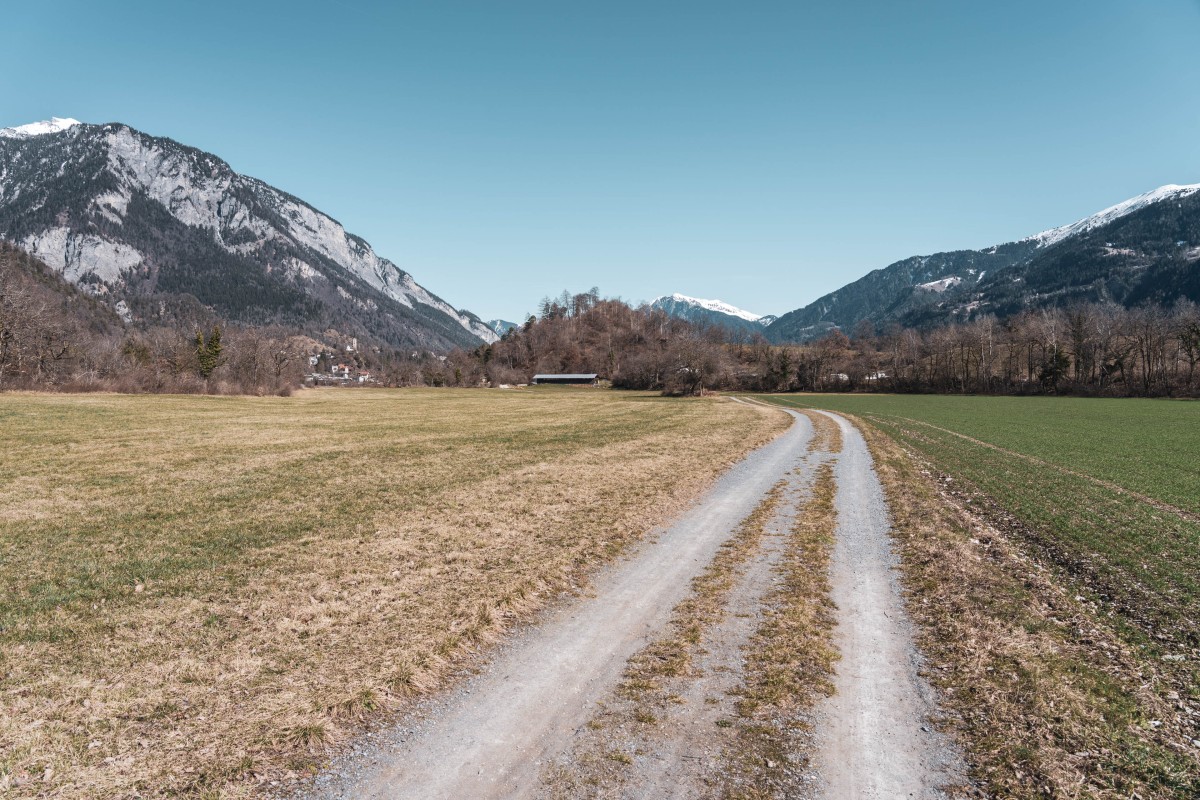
point(874, 739)
point(494, 735)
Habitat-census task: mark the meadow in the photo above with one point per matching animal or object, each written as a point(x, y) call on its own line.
point(202, 595)
point(1051, 549)
point(1112, 487)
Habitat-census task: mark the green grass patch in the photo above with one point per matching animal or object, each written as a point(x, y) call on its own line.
point(1060, 470)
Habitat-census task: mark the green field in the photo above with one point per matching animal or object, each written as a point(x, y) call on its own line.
point(1063, 465)
point(1149, 446)
point(199, 594)
point(1051, 548)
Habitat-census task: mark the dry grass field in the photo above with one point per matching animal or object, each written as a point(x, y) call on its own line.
point(200, 596)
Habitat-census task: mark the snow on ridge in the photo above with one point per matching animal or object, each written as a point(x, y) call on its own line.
point(201, 198)
point(940, 286)
point(1169, 192)
point(715, 305)
point(52, 125)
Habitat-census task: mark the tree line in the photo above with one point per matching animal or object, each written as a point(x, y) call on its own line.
point(52, 335)
point(1098, 349)
point(633, 348)
point(1085, 348)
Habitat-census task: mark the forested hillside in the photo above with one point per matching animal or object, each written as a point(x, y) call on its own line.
point(54, 336)
point(1146, 249)
point(1085, 348)
point(634, 348)
point(153, 224)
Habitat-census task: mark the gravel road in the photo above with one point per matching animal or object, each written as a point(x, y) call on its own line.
point(874, 736)
point(492, 735)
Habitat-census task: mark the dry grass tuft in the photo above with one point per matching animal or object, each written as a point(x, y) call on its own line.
point(205, 594)
point(789, 663)
point(827, 436)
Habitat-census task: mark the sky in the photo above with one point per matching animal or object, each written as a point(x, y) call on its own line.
point(762, 153)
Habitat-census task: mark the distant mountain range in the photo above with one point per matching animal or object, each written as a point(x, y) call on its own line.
point(712, 312)
point(501, 326)
point(159, 231)
point(154, 228)
point(1144, 249)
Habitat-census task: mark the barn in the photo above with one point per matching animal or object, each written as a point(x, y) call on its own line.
point(570, 379)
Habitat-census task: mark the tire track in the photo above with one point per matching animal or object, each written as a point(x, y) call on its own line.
point(500, 733)
point(491, 737)
point(875, 734)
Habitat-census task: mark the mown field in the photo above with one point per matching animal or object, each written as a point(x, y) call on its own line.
point(1052, 550)
point(202, 595)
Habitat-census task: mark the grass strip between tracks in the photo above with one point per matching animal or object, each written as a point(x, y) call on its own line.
point(602, 761)
point(789, 662)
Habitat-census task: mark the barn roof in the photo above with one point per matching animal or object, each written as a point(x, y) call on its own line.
point(589, 376)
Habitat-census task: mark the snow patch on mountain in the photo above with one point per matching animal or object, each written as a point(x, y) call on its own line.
point(52, 125)
point(1113, 213)
point(501, 326)
point(940, 286)
point(713, 305)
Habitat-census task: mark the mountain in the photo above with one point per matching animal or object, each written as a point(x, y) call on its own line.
point(501, 326)
point(712, 312)
point(152, 226)
point(1143, 249)
point(53, 125)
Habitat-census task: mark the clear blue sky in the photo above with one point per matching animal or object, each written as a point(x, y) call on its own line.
point(762, 153)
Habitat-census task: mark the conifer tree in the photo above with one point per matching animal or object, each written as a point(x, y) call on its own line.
point(208, 352)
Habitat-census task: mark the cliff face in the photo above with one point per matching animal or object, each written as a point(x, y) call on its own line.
point(146, 220)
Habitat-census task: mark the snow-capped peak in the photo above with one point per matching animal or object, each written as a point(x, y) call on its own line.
point(715, 305)
point(52, 125)
point(1113, 213)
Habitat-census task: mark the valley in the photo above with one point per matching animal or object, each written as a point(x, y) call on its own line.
point(600, 401)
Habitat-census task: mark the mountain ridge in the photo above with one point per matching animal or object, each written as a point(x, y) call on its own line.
point(129, 215)
point(712, 312)
point(1145, 259)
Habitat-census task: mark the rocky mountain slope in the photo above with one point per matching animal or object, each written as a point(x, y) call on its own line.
point(153, 226)
point(501, 326)
point(712, 312)
point(1144, 249)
